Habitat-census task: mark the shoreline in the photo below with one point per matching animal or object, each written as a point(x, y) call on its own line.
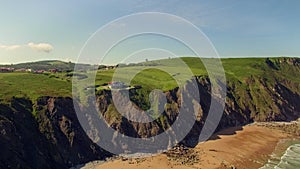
point(251, 145)
point(279, 152)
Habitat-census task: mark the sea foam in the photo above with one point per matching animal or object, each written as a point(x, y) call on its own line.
point(289, 160)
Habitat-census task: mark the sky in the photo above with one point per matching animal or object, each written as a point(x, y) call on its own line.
point(34, 30)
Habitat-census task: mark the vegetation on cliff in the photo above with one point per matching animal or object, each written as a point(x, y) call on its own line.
point(38, 119)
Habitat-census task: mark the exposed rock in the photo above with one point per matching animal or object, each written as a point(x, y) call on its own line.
point(182, 155)
point(54, 139)
point(277, 101)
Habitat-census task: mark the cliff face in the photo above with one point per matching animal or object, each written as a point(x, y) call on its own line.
point(259, 101)
point(21, 142)
point(268, 97)
point(47, 133)
point(52, 139)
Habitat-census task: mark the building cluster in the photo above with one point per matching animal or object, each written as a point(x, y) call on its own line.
point(9, 69)
point(23, 70)
point(110, 67)
point(106, 67)
point(6, 69)
point(117, 85)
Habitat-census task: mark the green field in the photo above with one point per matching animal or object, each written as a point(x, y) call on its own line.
point(236, 69)
point(152, 77)
point(32, 85)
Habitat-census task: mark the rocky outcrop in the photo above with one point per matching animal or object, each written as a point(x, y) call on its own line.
point(52, 139)
point(254, 99)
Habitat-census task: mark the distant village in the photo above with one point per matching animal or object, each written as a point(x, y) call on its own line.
point(9, 69)
point(40, 71)
point(109, 85)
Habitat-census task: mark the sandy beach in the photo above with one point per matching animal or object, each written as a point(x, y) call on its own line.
point(241, 147)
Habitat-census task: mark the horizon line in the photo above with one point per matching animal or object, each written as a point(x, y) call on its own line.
point(221, 57)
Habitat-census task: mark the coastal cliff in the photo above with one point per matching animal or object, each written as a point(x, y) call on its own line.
point(46, 133)
point(256, 99)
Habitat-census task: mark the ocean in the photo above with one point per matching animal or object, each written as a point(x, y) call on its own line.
point(289, 160)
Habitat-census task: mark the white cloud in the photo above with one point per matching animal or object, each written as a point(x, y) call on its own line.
point(10, 47)
point(44, 47)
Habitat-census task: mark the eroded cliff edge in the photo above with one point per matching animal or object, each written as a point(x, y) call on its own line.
point(47, 134)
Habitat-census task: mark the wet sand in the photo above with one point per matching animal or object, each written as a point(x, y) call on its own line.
point(240, 147)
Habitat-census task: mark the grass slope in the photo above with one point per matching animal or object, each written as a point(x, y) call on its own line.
point(238, 70)
point(32, 86)
point(48, 64)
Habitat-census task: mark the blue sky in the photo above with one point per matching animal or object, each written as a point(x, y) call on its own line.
point(36, 30)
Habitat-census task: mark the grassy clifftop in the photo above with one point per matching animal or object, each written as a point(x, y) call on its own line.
point(236, 69)
point(32, 86)
point(240, 71)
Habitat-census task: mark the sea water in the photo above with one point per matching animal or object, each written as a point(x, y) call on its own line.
point(289, 160)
